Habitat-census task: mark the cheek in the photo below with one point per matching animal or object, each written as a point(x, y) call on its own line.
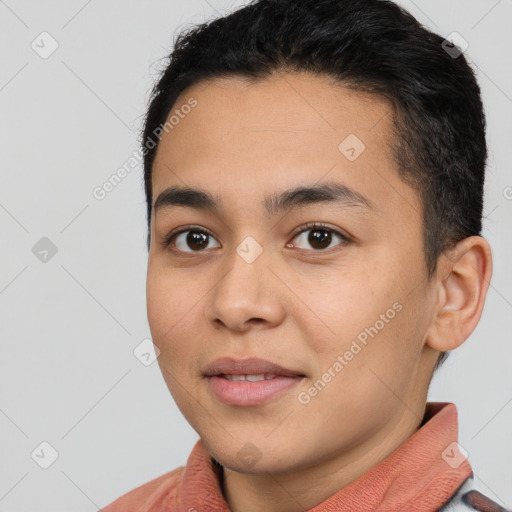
point(170, 310)
point(168, 296)
point(366, 316)
point(169, 316)
point(341, 310)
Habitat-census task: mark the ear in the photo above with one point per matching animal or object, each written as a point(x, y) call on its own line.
point(464, 273)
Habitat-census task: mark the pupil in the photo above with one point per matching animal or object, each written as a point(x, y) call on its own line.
point(320, 237)
point(194, 237)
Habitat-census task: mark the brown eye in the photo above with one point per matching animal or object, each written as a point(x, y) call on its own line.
point(320, 237)
point(196, 240)
point(190, 240)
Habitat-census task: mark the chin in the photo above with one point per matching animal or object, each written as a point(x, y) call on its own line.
point(256, 468)
point(251, 458)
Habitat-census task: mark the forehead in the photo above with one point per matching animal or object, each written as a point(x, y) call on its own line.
point(243, 138)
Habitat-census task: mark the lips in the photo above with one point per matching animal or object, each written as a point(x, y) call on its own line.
point(251, 366)
point(249, 382)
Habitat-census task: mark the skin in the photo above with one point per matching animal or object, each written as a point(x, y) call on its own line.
point(297, 305)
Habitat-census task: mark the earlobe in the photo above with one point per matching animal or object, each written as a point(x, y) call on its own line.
point(465, 272)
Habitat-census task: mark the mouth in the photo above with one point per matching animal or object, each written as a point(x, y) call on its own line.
point(249, 382)
point(250, 378)
point(252, 367)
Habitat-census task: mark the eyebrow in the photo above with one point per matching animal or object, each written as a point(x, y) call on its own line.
point(329, 192)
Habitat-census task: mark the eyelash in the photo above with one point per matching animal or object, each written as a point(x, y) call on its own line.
point(345, 240)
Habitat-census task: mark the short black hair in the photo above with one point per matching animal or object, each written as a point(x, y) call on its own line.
point(372, 46)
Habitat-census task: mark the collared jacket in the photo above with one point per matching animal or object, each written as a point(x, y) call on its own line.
point(426, 473)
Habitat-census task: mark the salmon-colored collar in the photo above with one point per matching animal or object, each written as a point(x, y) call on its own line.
point(420, 475)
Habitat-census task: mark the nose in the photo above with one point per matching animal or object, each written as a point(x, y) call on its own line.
point(247, 296)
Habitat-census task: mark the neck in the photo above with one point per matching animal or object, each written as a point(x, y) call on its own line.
point(306, 487)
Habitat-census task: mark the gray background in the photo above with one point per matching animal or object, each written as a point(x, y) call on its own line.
point(68, 327)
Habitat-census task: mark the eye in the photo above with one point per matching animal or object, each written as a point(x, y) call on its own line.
point(320, 237)
point(194, 238)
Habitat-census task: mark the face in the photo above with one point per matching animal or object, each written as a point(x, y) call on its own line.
point(327, 285)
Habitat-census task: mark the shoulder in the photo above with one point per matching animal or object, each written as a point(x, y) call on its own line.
point(148, 495)
point(469, 499)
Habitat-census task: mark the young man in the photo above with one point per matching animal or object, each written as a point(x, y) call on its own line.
point(314, 173)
